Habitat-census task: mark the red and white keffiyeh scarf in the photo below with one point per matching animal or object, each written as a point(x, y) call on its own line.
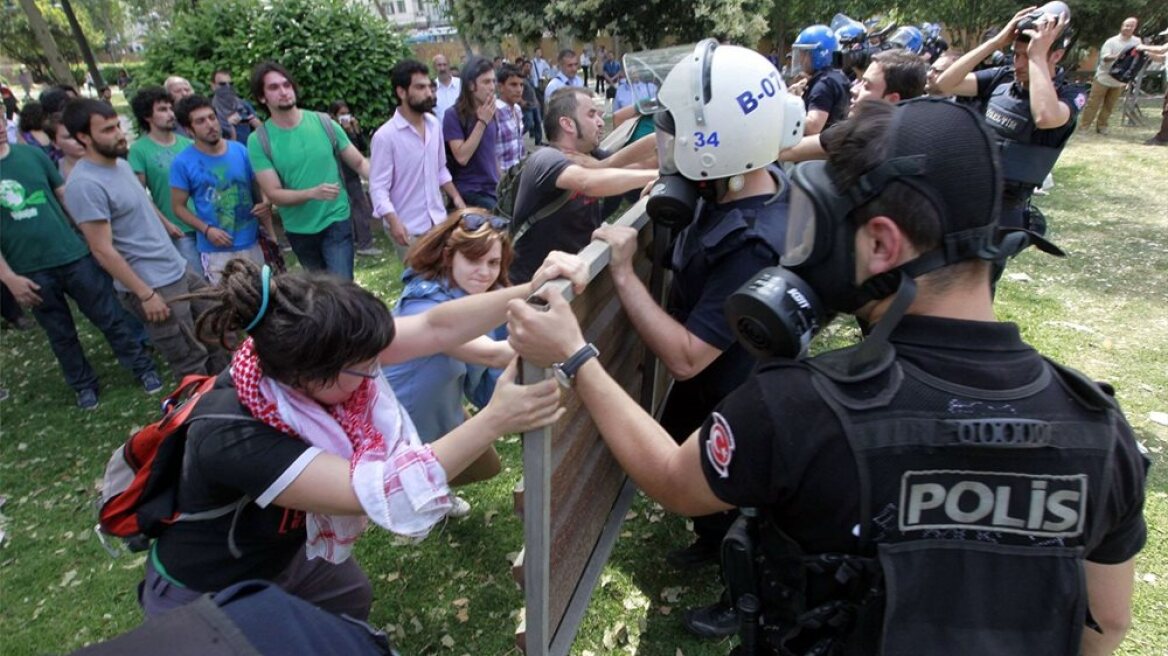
point(400, 484)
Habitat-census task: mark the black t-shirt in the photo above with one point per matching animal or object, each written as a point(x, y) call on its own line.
point(712, 258)
point(569, 229)
point(226, 460)
point(791, 457)
point(828, 91)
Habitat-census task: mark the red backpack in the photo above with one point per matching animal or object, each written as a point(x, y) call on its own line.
point(139, 493)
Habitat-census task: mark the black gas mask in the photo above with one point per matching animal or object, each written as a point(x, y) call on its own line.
point(779, 311)
point(674, 199)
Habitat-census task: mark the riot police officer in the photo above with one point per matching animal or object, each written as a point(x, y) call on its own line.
point(1029, 105)
point(727, 206)
point(826, 92)
point(939, 487)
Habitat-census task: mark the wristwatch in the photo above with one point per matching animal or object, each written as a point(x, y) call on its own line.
point(565, 371)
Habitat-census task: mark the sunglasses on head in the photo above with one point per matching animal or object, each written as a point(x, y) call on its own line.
point(472, 222)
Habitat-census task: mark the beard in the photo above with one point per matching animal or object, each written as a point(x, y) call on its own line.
point(423, 106)
point(112, 151)
point(286, 107)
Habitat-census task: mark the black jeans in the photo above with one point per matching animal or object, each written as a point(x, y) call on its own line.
point(92, 290)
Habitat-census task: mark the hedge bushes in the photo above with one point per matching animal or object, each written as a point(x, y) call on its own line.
point(334, 50)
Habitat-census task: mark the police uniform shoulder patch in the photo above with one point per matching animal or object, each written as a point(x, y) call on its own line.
point(720, 445)
point(1080, 100)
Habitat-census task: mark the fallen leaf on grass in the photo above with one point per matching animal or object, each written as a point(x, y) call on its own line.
point(463, 615)
point(68, 578)
point(447, 641)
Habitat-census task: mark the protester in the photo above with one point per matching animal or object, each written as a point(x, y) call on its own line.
point(449, 86)
point(566, 76)
point(1106, 90)
point(299, 171)
point(128, 240)
point(314, 443)
point(71, 151)
point(237, 117)
point(510, 147)
point(43, 260)
point(561, 186)
point(904, 486)
point(215, 175)
point(471, 134)
point(151, 156)
point(32, 119)
point(360, 209)
point(408, 161)
point(468, 254)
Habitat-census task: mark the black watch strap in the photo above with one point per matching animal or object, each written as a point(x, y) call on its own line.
point(569, 367)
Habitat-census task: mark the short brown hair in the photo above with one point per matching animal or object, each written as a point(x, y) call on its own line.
point(563, 102)
point(904, 72)
point(432, 256)
point(257, 80)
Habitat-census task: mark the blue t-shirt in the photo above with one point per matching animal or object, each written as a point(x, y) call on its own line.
point(221, 188)
point(612, 67)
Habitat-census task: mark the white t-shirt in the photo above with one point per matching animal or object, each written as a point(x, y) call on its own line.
point(1107, 54)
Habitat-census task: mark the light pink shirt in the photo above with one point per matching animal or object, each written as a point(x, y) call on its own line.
point(406, 171)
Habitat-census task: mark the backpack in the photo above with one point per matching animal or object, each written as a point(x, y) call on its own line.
point(1128, 64)
point(139, 492)
point(507, 191)
point(326, 122)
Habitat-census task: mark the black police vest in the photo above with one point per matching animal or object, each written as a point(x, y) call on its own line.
point(978, 507)
point(1024, 163)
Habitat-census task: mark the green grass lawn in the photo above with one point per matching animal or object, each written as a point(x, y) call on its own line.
point(1104, 309)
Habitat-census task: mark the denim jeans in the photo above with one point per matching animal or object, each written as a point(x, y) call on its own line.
point(533, 123)
point(93, 291)
point(329, 250)
point(188, 247)
point(475, 199)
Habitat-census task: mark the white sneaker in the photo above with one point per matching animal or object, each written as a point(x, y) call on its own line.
point(459, 508)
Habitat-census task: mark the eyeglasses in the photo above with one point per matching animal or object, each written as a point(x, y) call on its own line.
point(472, 222)
point(373, 373)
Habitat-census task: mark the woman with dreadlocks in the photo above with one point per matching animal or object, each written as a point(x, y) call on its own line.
point(302, 441)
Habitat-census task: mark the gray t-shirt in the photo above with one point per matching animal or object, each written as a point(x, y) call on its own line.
point(1110, 50)
point(568, 230)
point(104, 193)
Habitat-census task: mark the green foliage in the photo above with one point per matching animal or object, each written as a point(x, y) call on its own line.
point(334, 50)
point(647, 24)
point(18, 43)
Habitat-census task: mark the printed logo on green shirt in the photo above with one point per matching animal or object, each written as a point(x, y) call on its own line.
point(12, 197)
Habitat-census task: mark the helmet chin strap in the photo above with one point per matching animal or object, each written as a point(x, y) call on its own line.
point(874, 347)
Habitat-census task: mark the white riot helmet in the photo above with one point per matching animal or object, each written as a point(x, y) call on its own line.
point(726, 113)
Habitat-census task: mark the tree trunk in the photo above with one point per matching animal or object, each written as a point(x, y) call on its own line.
point(40, 29)
point(83, 43)
point(381, 10)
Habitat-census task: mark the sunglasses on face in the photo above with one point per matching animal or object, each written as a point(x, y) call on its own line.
point(472, 222)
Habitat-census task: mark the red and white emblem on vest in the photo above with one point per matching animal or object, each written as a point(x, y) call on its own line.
point(1080, 101)
point(720, 445)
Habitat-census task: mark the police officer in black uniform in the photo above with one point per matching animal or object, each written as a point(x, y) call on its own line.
point(939, 488)
point(1029, 105)
point(728, 208)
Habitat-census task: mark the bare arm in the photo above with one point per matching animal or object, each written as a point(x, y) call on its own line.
point(24, 289)
point(178, 205)
point(600, 183)
point(455, 197)
point(270, 184)
point(808, 148)
point(623, 114)
point(356, 161)
point(1109, 595)
point(483, 351)
point(669, 473)
point(464, 149)
point(815, 122)
point(99, 236)
point(958, 79)
point(640, 151)
point(1046, 108)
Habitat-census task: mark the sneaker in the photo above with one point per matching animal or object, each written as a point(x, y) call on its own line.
point(87, 399)
point(459, 508)
point(151, 383)
point(698, 554)
point(370, 251)
point(717, 620)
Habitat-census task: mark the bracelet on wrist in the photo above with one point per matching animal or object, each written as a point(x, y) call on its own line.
point(153, 292)
point(482, 121)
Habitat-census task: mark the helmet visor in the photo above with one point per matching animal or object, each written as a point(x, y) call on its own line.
point(646, 70)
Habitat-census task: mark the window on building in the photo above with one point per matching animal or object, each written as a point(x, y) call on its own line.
point(401, 6)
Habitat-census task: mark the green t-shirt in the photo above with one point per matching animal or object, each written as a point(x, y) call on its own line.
point(304, 158)
point(152, 160)
point(35, 234)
